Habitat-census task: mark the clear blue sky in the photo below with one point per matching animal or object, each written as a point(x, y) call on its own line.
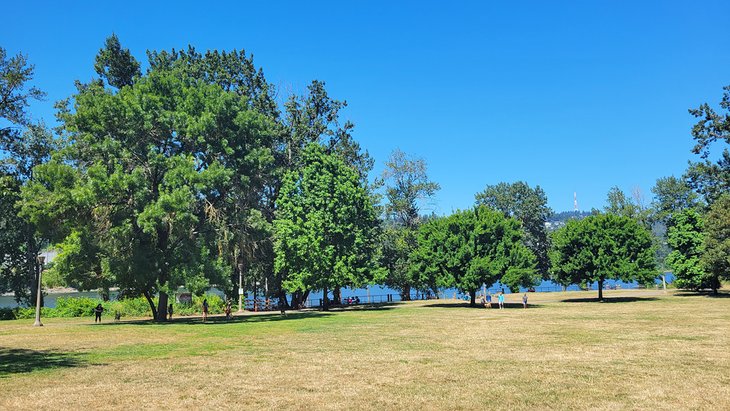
point(572, 96)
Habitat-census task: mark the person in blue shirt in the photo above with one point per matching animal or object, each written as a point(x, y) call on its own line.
point(501, 301)
point(489, 301)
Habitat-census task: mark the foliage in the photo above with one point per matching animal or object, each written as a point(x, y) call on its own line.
point(716, 258)
point(600, 247)
point(406, 185)
point(15, 73)
point(116, 65)
point(67, 307)
point(686, 238)
point(147, 184)
point(19, 153)
point(710, 179)
point(672, 195)
point(325, 226)
point(471, 248)
point(529, 206)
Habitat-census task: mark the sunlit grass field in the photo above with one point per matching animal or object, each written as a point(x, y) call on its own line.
point(641, 349)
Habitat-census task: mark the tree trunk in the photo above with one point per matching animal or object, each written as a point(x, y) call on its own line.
point(325, 300)
point(283, 301)
point(151, 303)
point(473, 295)
point(600, 289)
point(337, 295)
point(405, 294)
point(162, 307)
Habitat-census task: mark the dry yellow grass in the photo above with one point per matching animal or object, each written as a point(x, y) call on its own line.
point(648, 350)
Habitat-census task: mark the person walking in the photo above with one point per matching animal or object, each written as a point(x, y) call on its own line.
point(97, 312)
point(500, 299)
point(489, 301)
point(205, 309)
point(524, 301)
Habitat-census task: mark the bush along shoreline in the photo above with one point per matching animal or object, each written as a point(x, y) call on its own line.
point(70, 307)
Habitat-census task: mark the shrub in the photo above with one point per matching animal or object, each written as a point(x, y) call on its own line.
point(7, 313)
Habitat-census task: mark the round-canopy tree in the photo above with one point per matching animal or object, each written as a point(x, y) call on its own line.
point(601, 247)
point(474, 247)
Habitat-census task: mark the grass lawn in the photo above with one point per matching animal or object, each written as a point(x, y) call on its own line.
point(642, 350)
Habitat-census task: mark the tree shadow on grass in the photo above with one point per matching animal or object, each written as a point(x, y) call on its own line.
point(608, 300)
point(255, 318)
point(708, 294)
point(220, 319)
point(495, 306)
point(18, 360)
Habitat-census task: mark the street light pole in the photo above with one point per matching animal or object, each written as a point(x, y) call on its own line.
point(41, 260)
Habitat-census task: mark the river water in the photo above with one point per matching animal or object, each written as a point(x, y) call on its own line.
point(373, 294)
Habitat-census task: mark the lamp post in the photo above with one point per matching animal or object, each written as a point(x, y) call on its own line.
point(240, 288)
point(41, 260)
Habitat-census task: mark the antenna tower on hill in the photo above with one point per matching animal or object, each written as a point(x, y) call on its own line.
point(575, 202)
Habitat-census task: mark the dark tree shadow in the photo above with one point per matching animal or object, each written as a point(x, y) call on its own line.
point(704, 293)
point(255, 318)
point(18, 361)
point(495, 306)
point(608, 300)
point(220, 319)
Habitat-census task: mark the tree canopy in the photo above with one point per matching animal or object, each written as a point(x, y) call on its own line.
point(474, 247)
point(601, 247)
point(529, 206)
point(326, 227)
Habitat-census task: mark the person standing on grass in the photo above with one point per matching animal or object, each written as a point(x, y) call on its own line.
point(489, 301)
point(500, 299)
point(205, 309)
point(169, 311)
point(524, 301)
point(228, 310)
point(97, 312)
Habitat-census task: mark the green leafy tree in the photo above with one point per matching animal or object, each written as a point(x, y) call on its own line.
point(686, 238)
point(15, 74)
point(601, 247)
point(672, 196)
point(148, 171)
point(474, 247)
point(116, 65)
point(618, 203)
point(711, 179)
point(406, 186)
point(529, 206)
point(716, 258)
point(325, 225)
point(22, 146)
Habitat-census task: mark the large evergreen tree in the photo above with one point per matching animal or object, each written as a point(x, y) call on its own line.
point(150, 169)
point(23, 145)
